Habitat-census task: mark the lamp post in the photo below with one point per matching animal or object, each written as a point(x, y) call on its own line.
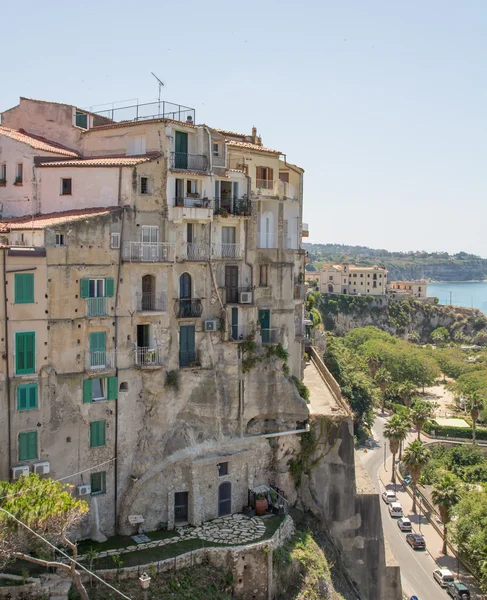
point(144, 581)
point(419, 498)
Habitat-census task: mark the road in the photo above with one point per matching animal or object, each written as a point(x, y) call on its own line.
point(416, 566)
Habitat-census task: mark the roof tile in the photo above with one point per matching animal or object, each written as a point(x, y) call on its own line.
point(250, 146)
point(120, 161)
point(36, 141)
point(50, 219)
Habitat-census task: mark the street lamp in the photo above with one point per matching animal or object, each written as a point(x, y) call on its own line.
point(144, 581)
point(419, 498)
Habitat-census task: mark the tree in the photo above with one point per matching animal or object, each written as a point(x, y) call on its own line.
point(415, 458)
point(406, 390)
point(420, 413)
point(445, 496)
point(440, 336)
point(46, 507)
point(396, 431)
point(474, 404)
point(383, 379)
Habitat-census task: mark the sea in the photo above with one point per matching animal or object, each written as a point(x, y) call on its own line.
point(472, 294)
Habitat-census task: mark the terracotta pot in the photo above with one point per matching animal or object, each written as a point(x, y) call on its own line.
point(260, 506)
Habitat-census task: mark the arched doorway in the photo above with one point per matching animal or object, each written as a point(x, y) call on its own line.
point(148, 292)
point(330, 288)
point(225, 499)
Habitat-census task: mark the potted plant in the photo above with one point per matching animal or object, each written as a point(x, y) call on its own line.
point(3, 182)
point(18, 181)
point(222, 212)
point(260, 504)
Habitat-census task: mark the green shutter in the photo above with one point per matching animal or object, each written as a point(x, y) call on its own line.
point(87, 390)
point(85, 288)
point(112, 383)
point(98, 341)
point(27, 396)
point(97, 433)
point(28, 445)
point(24, 288)
point(109, 287)
point(25, 343)
point(22, 397)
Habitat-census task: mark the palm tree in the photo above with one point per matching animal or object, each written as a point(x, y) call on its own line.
point(406, 391)
point(415, 457)
point(420, 413)
point(396, 431)
point(383, 379)
point(445, 496)
point(474, 404)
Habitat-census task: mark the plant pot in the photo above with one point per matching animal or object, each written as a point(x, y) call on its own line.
point(260, 507)
point(248, 511)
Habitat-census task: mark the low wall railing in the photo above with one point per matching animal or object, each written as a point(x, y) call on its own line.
point(328, 379)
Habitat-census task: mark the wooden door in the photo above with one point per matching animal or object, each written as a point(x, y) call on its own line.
point(231, 284)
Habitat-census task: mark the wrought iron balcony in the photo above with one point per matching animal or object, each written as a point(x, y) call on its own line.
point(187, 308)
point(147, 301)
point(99, 360)
point(148, 357)
point(196, 251)
point(96, 307)
point(190, 162)
point(233, 206)
point(227, 251)
point(193, 201)
point(148, 251)
point(237, 295)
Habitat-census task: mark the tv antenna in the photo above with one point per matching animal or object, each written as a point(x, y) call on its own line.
point(161, 85)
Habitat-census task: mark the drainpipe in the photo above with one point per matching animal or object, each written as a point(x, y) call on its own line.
point(7, 366)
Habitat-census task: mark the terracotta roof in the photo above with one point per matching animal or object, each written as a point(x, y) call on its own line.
point(233, 133)
point(36, 141)
point(195, 173)
point(127, 161)
point(141, 122)
point(250, 146)
point(50, 219)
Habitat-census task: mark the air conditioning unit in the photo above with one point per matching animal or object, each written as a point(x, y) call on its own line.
point(18, 471)
point(42, 468)
point(84, 490)
point(245, 298)
point(210, 325)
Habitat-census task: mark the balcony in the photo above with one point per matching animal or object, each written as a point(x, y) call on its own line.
point(96, 307)
point(148, 357)
point(100, 360)
point(287, 191)
point(237, 295)
point(148, 252)
point(192, 207)
point(189, 358)
point(188, 308)
point(267, 240)
point(267, 187)
point(233, 206)
point(189, 162)
point(239, 333)
point(149, 302)
point(227, 251)
point(305, 230)
point(198, 252)
point(270, 336)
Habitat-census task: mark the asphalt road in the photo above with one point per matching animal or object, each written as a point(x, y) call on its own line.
point(417, 566)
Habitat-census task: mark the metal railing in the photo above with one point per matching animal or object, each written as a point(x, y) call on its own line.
point(193, 202)
point(99, 360)
point(232, 295)
point(147, 301)
point(189, 358)
point(150, 110)
point(186, 308)
point(271, 335)
point(192, 162)
point(267, 240)
point(148, 357)
point(196, 251)
point(239, 333)
point(227, 251)
point(148, 251)
point(233, 206)
point(96, 307)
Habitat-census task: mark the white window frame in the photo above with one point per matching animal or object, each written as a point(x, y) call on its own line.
point(115, 241)
point(193, 185)
point(95, 287)
point(60, 239)
point(103, 387)
point(216, 149)
point(19, 171)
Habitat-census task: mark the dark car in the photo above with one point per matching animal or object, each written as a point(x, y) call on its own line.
point(458, 591)
point(416, 541)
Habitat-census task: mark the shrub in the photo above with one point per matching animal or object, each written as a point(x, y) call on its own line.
point(454, 432)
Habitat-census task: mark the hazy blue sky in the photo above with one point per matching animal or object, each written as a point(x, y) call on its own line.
point(383, 103)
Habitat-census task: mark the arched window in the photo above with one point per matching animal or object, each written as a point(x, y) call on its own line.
point(185, 286)
point(330, 289)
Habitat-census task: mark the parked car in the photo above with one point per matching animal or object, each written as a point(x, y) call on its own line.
point(389, 497)
point(443, 576)
point(404, 524)
point(395, 509)
point(458, 591)
point(416, 541)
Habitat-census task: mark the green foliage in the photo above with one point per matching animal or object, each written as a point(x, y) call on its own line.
point(316, 316)
point(453, 432)
point(277, 351)
point(285, 369)
point(343, 304)
point(440, 336)
point(302, 389)
point(399, 314)
point(172, 380)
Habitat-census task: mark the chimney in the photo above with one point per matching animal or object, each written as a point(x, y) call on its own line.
point(254, 135)
point(189, 119)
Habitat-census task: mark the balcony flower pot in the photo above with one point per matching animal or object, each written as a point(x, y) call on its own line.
point(193, 195)
point(222, 212)
point(260, 505)
point(18, 183)
point(3, 182)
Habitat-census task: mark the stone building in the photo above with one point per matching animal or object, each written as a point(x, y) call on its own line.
point(415, 289)
point(141, 251)
point(350, 279)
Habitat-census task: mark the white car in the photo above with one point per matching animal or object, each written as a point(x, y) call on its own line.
point(404, 524)
point(443, 576)
point(389, 497)
point(395, 509)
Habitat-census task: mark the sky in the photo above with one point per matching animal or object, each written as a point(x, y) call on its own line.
point(383, 103)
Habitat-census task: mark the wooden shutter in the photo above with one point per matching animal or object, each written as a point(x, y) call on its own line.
point(112, 388)
point(27, 445)
point(85, 288)
point(258, 173)
point(31, 396)
point(270, 174)
point(87, 390)
point(98, 341)
point(109, 287)
point(97, 433)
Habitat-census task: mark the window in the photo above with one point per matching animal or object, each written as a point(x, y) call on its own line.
point(115, 240)
point(361, 274)
point(19, 173)
point(25, 344)
point(355, 274)
point(66, 187)
point(222, 469)
point(98, 433)
point(330, 277)
point(81, 120)
point(27, 396)
point(344, 281)
point(368, 274)
point(264, 275)
point(98, 483)
point(135, 145)
point(97, 288)
point(3, 174)
point(100, 388)
point(24, 288)
point(28, 445)
point(263, 174)
point(145, 187)
point(191, 186)
point(216, 149)
point(60, 239)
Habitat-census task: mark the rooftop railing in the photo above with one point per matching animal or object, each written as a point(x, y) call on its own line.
point(149, 110)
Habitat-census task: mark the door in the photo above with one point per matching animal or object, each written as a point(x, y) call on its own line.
point(98, 349)
point(181, 507)
point(181, 150)
point(265, 325)
point(179, 199)
point(143, 336)
point(231, 284)
point(185, 294)
point(150, 242)
point(226, 195)
point(225, 499)
point(229, 235)
point(148, 292)
point(267, 230)
point(235, 324)
point(187, 353)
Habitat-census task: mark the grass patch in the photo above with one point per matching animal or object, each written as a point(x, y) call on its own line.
point(122, 541)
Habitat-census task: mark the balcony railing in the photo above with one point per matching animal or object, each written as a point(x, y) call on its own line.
point(193, 202)
point(270, 336)
point(196, 251)
point(189, 358)
point(100, 360)
point(191, 162)
point(288, 191)
point(265, 184)
point(239, 333)
point(187, 308)
point(147, 301)
point(150, 110)
point(96, 307)
point(233, 295)
point(267, 240)
point(227, 251)
point(148, 251)
point(233, 206)
point(148, 357)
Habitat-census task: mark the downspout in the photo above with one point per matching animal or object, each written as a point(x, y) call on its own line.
point(116, 347)
point(7, 366)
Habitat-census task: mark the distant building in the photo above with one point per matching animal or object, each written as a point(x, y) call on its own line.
point(350, 279)
point(416, 289)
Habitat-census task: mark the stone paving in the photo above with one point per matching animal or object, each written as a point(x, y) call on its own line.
point(233, 529)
